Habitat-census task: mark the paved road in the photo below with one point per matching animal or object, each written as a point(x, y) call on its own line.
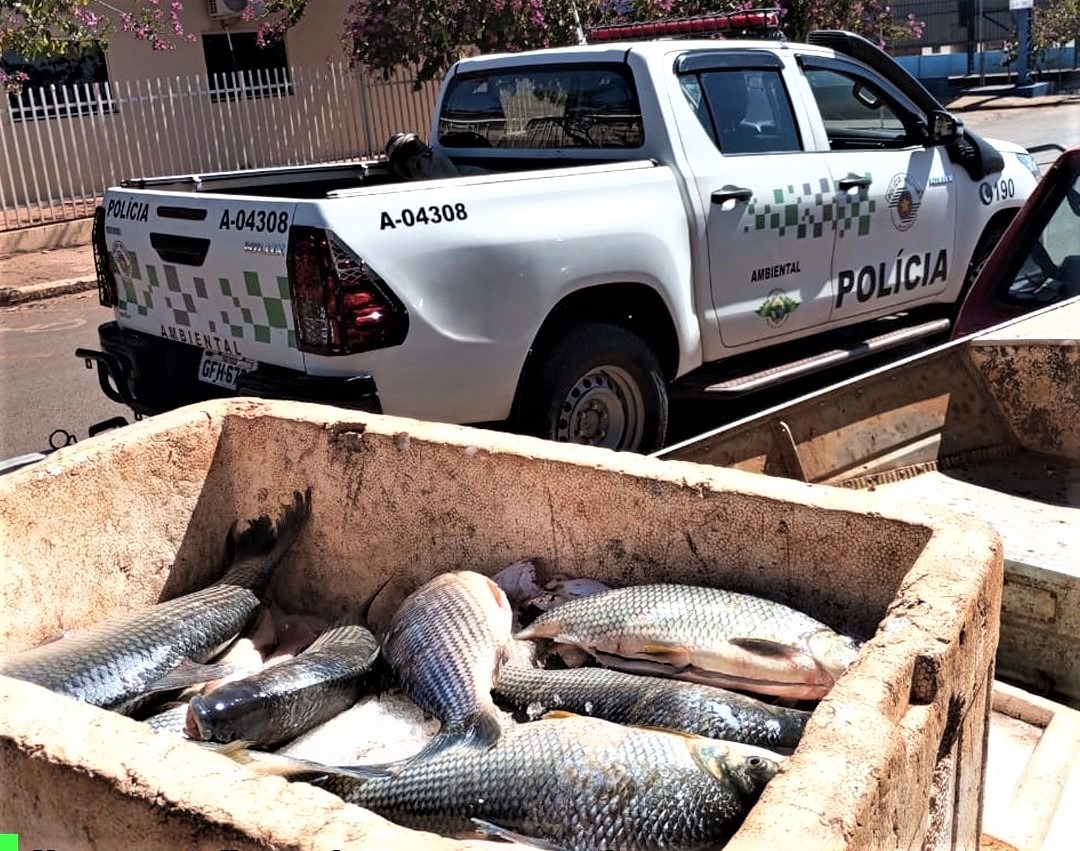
point(1029, 126)
point(42, 384)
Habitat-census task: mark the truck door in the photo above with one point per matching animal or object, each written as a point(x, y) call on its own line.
point(894, 238)
point(766, 199)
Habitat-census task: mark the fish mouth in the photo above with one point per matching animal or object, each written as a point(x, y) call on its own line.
point(196, 724)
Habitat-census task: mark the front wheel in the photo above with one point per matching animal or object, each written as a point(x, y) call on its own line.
point(600, 385)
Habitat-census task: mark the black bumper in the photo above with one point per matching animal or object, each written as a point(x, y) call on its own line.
point(151, 375)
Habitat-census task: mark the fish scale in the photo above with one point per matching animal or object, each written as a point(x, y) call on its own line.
point(114, 663)
point(652, 701)
point(580, 783)
point(445, 643)
point(705, 635)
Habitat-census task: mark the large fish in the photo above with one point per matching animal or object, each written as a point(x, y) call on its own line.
point(284, 700)
point(651, 702)
point(579, 784)
point(445, 644)
point(704, 635)
point(116, 663)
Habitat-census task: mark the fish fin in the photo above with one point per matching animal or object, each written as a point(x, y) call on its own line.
point(491, 830)
point(764, 647)
point(189, 673)
point(555, 714)
point(291, 767)
point(484, 731)
point(678, 656)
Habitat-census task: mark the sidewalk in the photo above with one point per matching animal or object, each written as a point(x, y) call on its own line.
point(45, 274)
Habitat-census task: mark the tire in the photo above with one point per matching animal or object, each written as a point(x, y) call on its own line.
point(599, 385)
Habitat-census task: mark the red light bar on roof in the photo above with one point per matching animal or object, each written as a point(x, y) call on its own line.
point(750, 22)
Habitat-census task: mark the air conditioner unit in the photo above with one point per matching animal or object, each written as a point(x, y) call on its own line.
point(219, 9)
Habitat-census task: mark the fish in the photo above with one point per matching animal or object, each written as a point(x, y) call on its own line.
point(170, 718)
point(703, 635)
point(115, 664)
point(281, 701)
point(445, 645)
point(645, 701)
point(575, 783)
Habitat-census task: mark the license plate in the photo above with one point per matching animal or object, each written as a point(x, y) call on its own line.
point(223, 370)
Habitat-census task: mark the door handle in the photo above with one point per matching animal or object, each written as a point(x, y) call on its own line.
point(853, 181)
point(731, 193)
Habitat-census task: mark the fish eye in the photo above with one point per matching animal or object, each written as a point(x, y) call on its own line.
point(756, 762)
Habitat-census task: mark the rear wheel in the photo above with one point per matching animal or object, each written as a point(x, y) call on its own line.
point(600, 385)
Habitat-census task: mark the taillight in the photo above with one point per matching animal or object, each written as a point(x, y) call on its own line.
point(340, 305)
point(108, 293)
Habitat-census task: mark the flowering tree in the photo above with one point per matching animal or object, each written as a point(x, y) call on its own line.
point(431, 34)
point(1052, 25)
point(52, 29)
point(428, 35)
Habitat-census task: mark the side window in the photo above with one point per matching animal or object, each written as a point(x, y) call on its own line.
point(744, 111)
point(857, 116)
point(1051, 271)
point(583, 106)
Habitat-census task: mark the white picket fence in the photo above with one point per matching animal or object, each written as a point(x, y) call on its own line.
point(62, 146)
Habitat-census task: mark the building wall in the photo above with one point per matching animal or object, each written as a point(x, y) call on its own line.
point(313, 42)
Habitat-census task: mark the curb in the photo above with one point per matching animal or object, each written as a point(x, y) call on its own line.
point(37, 292)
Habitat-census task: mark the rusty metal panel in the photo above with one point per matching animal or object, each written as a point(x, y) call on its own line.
point(915, 412)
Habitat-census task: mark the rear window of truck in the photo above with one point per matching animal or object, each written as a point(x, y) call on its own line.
point(582, 106)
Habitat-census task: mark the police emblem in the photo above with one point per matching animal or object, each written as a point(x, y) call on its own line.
point(903, 197)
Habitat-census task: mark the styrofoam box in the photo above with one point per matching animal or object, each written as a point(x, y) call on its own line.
point(892, 758)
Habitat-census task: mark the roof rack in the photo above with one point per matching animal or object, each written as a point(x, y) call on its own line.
point(748, 23)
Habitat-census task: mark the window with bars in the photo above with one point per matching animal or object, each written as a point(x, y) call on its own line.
point(238, 67)
point(63, 87)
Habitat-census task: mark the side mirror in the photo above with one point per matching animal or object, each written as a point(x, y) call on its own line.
point(944, 128)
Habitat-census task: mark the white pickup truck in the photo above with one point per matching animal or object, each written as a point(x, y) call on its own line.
point(620, 220)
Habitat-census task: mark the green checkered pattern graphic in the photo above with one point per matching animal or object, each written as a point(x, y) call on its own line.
point(255, 312)
point(9, 842)
point(807, 212)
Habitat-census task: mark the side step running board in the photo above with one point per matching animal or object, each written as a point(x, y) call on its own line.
point(846, 353)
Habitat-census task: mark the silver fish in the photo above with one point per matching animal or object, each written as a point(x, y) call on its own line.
point(284, 700)
point(576, 783)
point(652, 702)
point(170, 718)
point(116, 663)
point(445, 645)
point(704, 635)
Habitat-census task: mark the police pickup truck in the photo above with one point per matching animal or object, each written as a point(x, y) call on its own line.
point(597, 226)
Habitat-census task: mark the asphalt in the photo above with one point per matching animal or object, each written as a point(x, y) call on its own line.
point(59, 271)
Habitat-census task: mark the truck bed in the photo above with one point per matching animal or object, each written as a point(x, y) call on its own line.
point(1032, 500)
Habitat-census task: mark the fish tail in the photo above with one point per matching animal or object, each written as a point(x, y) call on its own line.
point(484, 730)
point(290, 522)
point(261, 545)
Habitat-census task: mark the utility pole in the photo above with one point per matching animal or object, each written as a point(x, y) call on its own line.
point(1021, 10)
